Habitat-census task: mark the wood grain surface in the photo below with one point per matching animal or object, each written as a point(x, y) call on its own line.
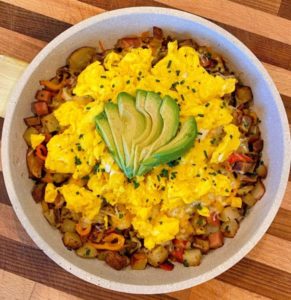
point(26, 26)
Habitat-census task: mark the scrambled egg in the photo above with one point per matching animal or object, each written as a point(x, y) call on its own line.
point(159, 203)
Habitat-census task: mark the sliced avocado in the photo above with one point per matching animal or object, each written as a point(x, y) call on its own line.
point(175, 148)
point(115, 123)
point(152, 106)
point(170, 114)
point(104, 129)
point(133, 125)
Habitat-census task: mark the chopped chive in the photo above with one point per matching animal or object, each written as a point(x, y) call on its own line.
point(193, 90)
point(135, 184)
point(128, 82)
point(169, 64)
point(207, 104)
point(158, 80)
point(182, 96)
point(81, 136)
point(178, 72)
point(96, 168)
point(182, 81)
point(101, 86)
point(205, 154)
point(103, 76)
point(200, 115)
point(77, 161)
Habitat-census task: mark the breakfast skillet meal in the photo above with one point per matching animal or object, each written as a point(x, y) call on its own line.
point(145, 154)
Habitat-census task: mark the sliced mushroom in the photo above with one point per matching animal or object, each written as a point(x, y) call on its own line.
point(262, 171)
point(259, 190)
point(242, 167)
point(243, 94)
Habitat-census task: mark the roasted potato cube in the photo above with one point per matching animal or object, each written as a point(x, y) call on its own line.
point(50, 123)
point(243, 94)
point(157, 256)
point(68, 226)
point(80, 59)
point(201, 244)
point(38, 192)
point(87, 251)
point(72, 240)
point(34, 164)
point(27, 134)
point(115, 260)
point(229, 228)
point(50, 216)
point(192, 258)
point(215, 240)
point(138, 261)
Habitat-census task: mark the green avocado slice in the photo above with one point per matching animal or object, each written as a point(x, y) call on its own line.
point(170, 114)
point(115, 123)
point(175, 148)
point(133, 126)
point(152, 106)
point(104, 130)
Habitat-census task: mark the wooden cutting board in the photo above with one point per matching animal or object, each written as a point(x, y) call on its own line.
point(26, 26)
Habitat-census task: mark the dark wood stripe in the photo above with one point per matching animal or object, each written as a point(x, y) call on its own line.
point(287, 105)
point(285, 9)
point(4, 199)
point(259, 278)
point(28, 23)
point(267, 50)
point(32, 263)
point(110, 5)
point(260, 5)
point(281, 226)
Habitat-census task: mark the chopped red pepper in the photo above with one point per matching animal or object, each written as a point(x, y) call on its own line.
point(40, 108)
point(234, 157)
point(41, 152)
point(180, 243)
point(177, 255)
point(167, 266)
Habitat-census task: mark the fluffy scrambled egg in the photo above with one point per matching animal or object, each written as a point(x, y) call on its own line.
point(159, 203)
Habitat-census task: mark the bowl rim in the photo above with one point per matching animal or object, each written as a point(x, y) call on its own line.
point(95, 279)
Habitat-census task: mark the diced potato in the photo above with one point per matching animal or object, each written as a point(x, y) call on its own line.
point(59, 177)
point(259, 190)
point(72, 240)
point(262, 171)
point(229, 228)
point(34, 164)
point(87, 251)
point(243, 94)
point(44, 206)
point(192, 258)
point(138, 261)
point(27, 134)
point(50, 216)
point(50, 122)
point(157, 256)
point(68, 226)
point(230, 213)
point(115, 260)
point(201, 244)
point(249, 200)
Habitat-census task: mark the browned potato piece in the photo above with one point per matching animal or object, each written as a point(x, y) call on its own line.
point(229, 228)
point(50, 122)
point(32, 121)
point(87, 251)
point(80, 59)
point(38, 192)
point(201, 244)
point(34, 164)
point(157, 256)
point(138, 261)
point(50, 216)
point(243, 95)
point(72, 240)
point(259, 190)
point(262, 171)
point(249, 199)
point(192, 257)
point(68, 226)
point(229, 213)
point(27, 134)
point(115, 260)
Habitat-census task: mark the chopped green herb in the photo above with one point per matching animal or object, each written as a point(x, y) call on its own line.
point(205, 154)
point(163, 188)
point(200, 115)
point(103, 76)
point(178, 72)
point(159, 177)
point(135, 184)
point(150, 218)
point(87, 252)
point(182, 96)
point(77, 161)
point(88, 107)
point(174, 85)
point(193, 90)
point(81, 136)
point(182, 81)
point(174, 163)
point(169, 64)
point(96, 168)
point(128, 82)
point(77, 193)
point(200, 221)
point(231, 136)
point(185, 263)
point(198, 206)
point(173, 175)
point(227, 190)
point(199, 133)
point(212, 141)
point(87, 177)
point(139, 73)
point(120, 215)
point(101, 86)
point(207, 104)
point(164, 173)
point(113, 85)
point(158, 80)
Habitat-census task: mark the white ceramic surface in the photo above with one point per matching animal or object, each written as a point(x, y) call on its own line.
point(108, 27)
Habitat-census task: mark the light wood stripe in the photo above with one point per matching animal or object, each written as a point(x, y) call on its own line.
point(19, 45)
point(13, 287)
point(281, 77)
point(218, 290)
point(269, 6)
point(238, 15)
point(69, 11)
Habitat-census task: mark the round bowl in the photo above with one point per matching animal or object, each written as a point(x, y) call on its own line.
point(108, 27)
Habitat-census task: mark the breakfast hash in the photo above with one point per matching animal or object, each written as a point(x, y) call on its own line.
point(148, 153)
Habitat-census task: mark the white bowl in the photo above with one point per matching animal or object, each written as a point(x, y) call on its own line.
point(108, 27)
